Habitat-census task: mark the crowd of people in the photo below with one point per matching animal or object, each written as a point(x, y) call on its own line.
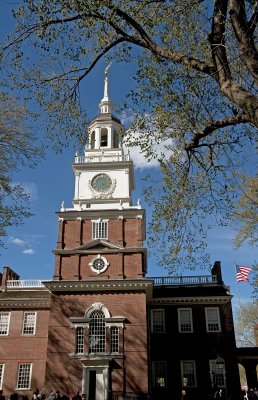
point(37, 395)
point(220, 394)
point(250, 394)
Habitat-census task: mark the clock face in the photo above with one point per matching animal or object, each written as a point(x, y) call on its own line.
point(101, 182)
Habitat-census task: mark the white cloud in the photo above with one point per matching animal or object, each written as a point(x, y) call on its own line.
point(162, 149)
point(17, 241)
point(28, 251)
point(31, 189)
point(140, 161)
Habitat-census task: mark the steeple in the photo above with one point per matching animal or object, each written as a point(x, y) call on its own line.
point(106, 105)
point(104, 176)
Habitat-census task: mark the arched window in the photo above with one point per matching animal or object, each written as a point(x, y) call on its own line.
point(92, 140)
point(97, 332)
point(116, 140)
point(104, 137)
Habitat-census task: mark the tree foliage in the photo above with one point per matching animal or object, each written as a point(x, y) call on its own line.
point(245, 324)
point(246, 211)
point(16, 150)
point(196, 75)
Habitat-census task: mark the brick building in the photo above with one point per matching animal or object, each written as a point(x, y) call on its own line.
point(100, 325)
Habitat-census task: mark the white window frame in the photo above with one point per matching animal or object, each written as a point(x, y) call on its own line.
point(6, 323)
point(184, 373)
point(218, 374)
point(27, 324)
point(1, 375)
point(158, 380)
point(210, 321)
point(100, 229)
point(26, 378)
point(114, 339)
point(181, 322)
point(79, 338)
point(155, 323)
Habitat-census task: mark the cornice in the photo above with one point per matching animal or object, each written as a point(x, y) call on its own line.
point(28, 303)
point(132, 285)
point(100, 251)
point(90, 214)
point(104, 165)
point(191, 300)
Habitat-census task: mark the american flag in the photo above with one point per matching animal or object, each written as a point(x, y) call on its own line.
point(242, 273)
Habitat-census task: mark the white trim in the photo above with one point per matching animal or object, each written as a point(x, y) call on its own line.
point(34, 326)
point(8, 322)
point(214, 370)
point(99, 222)
point(162, 324)
point(180, 322)
point(2, 376)
point(18, 374)
point(154, 373)
point(217, 319)
point(99, 271)
point(183, 372)
point(97, 307)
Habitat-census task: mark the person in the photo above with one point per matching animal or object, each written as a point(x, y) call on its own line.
point(2, 397)
point(184, 395)
point(57, 395)
point(251, 395)
point(77, 396)
point(219, 394)
point(35, 394)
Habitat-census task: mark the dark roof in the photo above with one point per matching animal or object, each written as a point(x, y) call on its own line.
point(189, 291)
point(105, 117)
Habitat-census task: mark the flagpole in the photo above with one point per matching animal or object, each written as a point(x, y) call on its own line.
point(239, 306)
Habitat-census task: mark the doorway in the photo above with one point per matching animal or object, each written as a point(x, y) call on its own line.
point(92, 385)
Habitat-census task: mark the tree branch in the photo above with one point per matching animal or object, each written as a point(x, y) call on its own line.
point(244, 36)
point(214, 125)
point(253, 20)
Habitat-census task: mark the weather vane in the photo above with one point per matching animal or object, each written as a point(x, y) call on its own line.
point(107, 68)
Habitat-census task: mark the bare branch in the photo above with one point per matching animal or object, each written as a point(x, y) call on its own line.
point(244, 36)
point(214, 125)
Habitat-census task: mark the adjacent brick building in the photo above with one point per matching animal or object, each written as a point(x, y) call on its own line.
point(100, 325)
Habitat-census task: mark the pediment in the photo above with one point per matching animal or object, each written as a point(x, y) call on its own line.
point(99, 244)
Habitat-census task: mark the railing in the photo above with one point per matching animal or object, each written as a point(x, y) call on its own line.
point(185, 280)
point(158, 281)
point(29, 283)
point(102, 158)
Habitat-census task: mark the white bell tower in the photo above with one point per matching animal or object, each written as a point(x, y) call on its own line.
point(104, 176)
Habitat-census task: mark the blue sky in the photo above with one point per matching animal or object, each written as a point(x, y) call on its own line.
point(29, 247)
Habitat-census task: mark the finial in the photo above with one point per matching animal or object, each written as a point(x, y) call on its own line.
point(106, 105)
point(107, 68)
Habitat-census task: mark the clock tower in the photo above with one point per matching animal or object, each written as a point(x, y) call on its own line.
point(99, 287)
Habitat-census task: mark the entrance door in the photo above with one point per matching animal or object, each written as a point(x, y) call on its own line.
point(95, 382)
point(92, 385)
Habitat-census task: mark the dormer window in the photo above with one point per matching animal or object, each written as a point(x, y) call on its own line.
point(104, 137)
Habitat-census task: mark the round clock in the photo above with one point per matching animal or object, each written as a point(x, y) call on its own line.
point(101, 182)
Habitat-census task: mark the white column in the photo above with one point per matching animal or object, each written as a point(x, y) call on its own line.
point(77, 185)
point(106, 383)
point(85, 383)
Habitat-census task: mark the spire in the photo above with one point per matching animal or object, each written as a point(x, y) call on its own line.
point(106, 105)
